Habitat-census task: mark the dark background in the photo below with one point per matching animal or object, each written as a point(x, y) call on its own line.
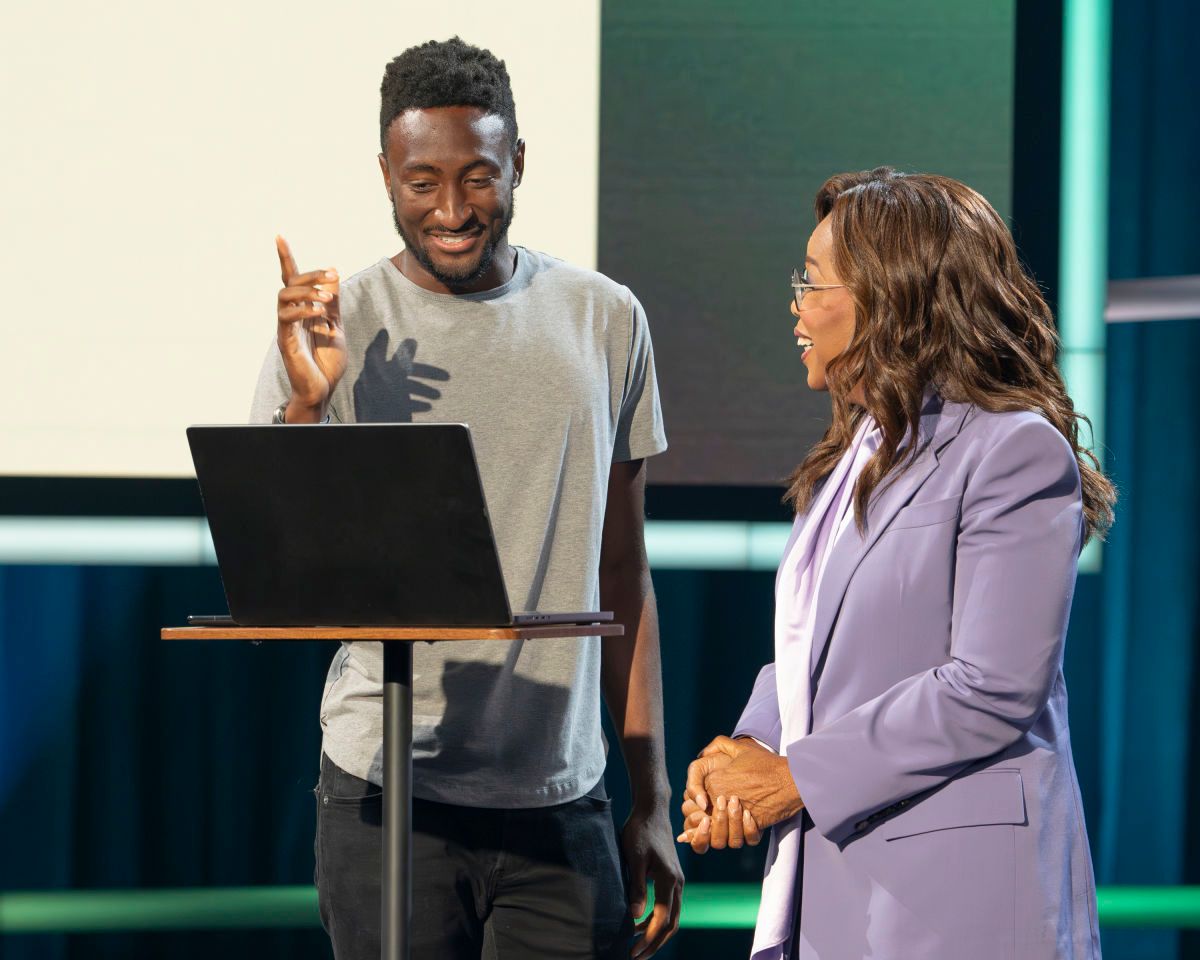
point(718, 122)
point(126, 762)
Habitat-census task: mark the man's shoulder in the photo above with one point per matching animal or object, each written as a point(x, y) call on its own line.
point(571, 278)
point(368, 297)
point(366, 278)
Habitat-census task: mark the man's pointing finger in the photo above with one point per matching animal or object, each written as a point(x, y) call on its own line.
point(287, 265)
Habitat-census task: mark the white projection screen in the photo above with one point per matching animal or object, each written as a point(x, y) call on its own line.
point(153, 151)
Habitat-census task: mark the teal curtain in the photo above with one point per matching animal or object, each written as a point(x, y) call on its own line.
point(1149, 796)
point(128, 762)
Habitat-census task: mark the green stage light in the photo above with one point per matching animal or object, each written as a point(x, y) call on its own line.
point(1083, 216)
point(211, 908)
point(706, 906)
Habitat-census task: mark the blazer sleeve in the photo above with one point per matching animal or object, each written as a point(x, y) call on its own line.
point(760, 719)
point(1014, 574)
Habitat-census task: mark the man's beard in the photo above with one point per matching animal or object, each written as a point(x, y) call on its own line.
point(461, 278)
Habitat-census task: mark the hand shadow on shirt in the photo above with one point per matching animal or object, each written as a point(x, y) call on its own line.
point(391, 390)
point(480, 698)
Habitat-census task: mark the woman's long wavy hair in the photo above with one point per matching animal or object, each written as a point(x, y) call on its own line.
point(940, 298)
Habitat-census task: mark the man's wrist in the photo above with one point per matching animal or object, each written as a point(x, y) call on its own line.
point(652, 800)
point(295, 411)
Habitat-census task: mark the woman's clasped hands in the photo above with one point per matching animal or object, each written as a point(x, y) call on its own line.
point(735, 790)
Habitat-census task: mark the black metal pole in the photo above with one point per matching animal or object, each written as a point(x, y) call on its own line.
point(397, 799)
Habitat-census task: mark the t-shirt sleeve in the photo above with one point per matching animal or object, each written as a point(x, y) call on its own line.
point(272, 388)
point(640, 431)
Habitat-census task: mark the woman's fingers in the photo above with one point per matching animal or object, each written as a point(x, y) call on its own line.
point(719, 837)
point(731, 824)
point(720, 745)
point(737, 830)
point(750, 828)
point(694, 790)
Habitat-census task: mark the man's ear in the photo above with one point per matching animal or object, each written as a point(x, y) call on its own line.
point(387, 180)
point(518, 163)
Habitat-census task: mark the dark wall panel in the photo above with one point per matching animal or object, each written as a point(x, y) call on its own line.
point(718, 123)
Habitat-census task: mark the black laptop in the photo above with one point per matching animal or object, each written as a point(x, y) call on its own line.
point(353, 525)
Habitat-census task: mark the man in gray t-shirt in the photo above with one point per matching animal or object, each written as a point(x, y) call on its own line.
point(551, 366)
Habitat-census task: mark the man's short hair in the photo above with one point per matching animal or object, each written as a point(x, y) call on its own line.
point(446, 73)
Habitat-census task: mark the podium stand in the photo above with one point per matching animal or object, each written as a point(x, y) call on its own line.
point(397, 732)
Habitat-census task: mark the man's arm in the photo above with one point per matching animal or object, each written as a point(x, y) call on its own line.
point(631, 665)
point(631, 675)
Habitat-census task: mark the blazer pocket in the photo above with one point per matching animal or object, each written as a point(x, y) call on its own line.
point(980, 799)
point(926, 514)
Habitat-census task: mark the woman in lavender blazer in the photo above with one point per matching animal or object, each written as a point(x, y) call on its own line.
point(909, 744)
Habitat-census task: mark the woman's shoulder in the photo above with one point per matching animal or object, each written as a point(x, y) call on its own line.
point(1019, 446)
point(1020, 428)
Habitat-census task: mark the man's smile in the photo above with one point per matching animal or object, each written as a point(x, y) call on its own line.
point(455, 242)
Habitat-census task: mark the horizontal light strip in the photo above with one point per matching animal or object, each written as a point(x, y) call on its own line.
point(705, 906)
point(715, 545)
point(1156, 298)
point(184, 541)
point(111, 541)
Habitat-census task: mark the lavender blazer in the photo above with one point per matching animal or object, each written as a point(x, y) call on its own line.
point(943, 817)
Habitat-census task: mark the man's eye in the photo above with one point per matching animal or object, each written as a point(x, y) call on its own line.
point(481, 181)
point(420, 186)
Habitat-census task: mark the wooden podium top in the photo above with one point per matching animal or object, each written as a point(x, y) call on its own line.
point(411, 634)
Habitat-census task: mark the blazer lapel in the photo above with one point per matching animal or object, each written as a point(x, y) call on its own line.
point(940, 422)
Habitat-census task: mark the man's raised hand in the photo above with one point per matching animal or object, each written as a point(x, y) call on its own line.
point(311, 339)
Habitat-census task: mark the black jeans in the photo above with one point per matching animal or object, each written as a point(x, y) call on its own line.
point(543, 882)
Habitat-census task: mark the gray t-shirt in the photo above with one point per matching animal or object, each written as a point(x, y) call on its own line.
point(554, 373)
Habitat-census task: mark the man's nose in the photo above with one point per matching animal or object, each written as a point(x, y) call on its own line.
point(453, 210)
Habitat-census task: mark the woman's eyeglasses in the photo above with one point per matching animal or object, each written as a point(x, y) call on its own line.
point(801, 286)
